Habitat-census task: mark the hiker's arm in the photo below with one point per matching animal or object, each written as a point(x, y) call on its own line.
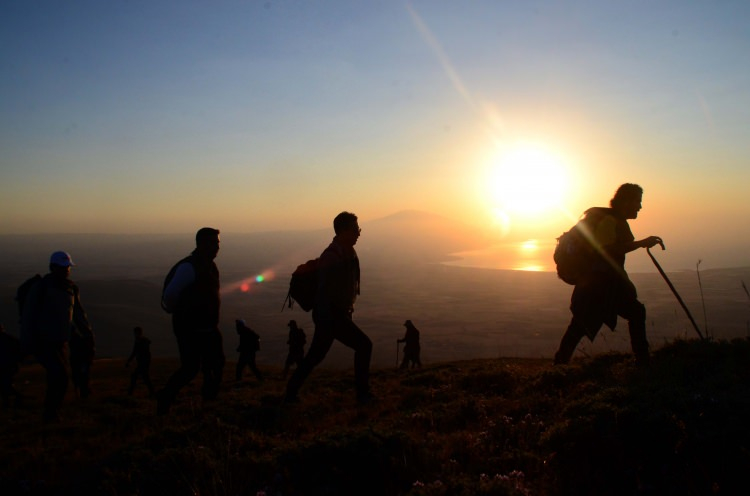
point(183, 276)
point(80, 318)
point(649, 242)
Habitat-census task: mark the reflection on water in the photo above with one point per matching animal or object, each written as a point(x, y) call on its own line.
point(530, 268)
point(530, 255)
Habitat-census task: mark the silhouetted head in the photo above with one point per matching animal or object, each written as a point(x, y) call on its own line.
point(292, 324)
point(408, 323)
point(60, 264)
point(207, 242)
point(627, 200)
point(346, 228)
point(138, 331)
point(239, 324)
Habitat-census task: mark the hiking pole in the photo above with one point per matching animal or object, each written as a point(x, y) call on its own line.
point(671, 286)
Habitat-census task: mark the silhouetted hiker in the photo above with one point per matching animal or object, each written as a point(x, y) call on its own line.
point(51, 308)
point(192, 296)
point(296, 342)
point(10, 357)
point(411, 348)
point(605, 291)
point(249, 345)
point(338, 287)
point(142, 355)
point(82, 350)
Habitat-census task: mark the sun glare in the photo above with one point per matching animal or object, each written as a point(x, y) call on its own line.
point(527, 180)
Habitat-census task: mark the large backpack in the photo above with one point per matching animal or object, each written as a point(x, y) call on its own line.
point(575, 253)
point(170, 276)
point(303, 286)
point(23, 291)
point(29, 336)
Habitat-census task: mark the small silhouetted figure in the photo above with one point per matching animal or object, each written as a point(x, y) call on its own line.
point(10, 357)
point(606, 290)
point(249, 345)
point(142, 355)
point(51, 310)
point(411, 348)
point(296, 342)
point(193, 298)
point(338, 287)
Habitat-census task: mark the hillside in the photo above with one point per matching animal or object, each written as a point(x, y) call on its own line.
point(501, 426)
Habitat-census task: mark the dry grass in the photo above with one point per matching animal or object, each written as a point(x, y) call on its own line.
point(506, 426)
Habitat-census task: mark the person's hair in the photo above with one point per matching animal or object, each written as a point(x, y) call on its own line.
point(344, 221)
point(625, 193)
point(138, 331)
point(205, 234)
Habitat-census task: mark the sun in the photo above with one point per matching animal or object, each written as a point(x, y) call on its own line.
point(527, 180)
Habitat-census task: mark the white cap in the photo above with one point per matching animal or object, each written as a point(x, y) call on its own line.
point(61, 258)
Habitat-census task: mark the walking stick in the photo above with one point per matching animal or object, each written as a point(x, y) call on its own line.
point(671, 286)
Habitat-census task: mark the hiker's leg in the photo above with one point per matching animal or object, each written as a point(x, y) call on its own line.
point(635, 313)
point(52, 358)
point(569, 341)
point(240, 367)
point(321, 343)
point(254, 367)
point(212, 361)
point(290, 359)
point(190, 365)
point(352, 336)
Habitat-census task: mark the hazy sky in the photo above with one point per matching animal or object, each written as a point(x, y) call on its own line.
point(151, 116)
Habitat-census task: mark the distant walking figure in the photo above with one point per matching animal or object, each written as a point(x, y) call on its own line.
point(605, 291)
point(10, 356)
point(51, 309)
point(338, 287)
point(249, 345)
point(296, 342)
point(142, 355)
point(411, 348)
point(192, 297)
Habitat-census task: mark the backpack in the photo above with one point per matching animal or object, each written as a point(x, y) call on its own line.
point(23, 291)
point(303, 286)
point(574, 254)
point(169, 277)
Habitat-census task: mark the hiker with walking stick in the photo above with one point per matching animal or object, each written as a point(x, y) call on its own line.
point(411, 348)
point(604, 290)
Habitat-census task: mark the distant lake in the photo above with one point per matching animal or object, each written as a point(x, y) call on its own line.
point(501, 301)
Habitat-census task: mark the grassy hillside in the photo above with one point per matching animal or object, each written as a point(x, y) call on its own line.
point(505, 426)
